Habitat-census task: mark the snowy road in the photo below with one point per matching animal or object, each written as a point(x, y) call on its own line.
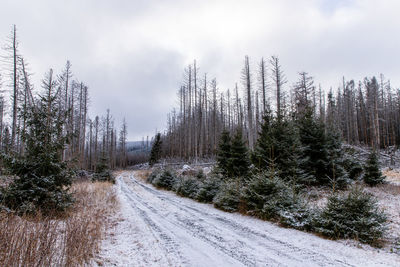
point(158, 228)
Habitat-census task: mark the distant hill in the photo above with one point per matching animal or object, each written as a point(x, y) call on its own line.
point(136, 146)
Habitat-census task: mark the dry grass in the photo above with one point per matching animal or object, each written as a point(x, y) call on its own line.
point(392, 176)
point(118, 173)
point(387, 188)
point(69, 241)
point(142, 174)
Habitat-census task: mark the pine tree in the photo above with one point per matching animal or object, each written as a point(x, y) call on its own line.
point(229, 195)
point(355, 214)
point(209, 189)
point(262, 193)
point(278, 144)
point(103, 172)
point(165, 179)
point(239, 160)
point(337, 174)
point(269, 197)
point(43, 179)
point(263, 152)
point(224, 154)
point(287, 150)
point(155, 153)
point(314, 152)
point(373, 174)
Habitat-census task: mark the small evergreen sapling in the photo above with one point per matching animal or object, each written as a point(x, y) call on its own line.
point(103, 172)
point(352, 166)
point(187, 187)
point(229, 196)
point(166, 179)
point(208, 189)
point(352, 215)
point(373, 174)
point(269, 197)
point(153, 175)
point(263, 193)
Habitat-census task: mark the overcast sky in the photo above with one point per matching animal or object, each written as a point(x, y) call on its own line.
point(131, 53)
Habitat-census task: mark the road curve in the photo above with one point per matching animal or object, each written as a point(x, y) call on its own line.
point(158, 228)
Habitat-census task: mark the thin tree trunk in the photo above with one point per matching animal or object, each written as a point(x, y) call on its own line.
point(15, 88)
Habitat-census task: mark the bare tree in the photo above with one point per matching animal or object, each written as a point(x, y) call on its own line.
point(372, 102)
point(246, 78)
point(279, 80)
point(12, 60)
point(122, 144)
point(263, 83)
point(304, 91)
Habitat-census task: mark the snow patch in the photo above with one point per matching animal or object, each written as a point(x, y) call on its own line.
point(158, 228)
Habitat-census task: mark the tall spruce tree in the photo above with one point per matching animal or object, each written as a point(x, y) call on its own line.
point(336, 172)
point(263, 151)
point(224, 154)
point(155, 153)
point(43, 178)
point(288, 151)
point(373, 174)
point(278, 144)
point(239, 160)
point(314, 151)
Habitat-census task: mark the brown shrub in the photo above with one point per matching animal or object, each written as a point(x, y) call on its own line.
point(70, 240)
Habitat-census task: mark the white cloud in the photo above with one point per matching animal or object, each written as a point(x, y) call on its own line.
point(138, 49)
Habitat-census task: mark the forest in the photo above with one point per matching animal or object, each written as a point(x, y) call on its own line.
point(365, 113)
point(87, 139)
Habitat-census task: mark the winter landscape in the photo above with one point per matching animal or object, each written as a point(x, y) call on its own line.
point(200, 133)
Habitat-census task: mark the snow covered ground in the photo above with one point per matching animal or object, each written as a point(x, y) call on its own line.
point(158, 228)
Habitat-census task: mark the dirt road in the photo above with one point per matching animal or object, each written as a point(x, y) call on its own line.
point(158, 228)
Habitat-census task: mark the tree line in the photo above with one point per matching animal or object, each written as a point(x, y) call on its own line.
point(364, 113)
point(88, 140)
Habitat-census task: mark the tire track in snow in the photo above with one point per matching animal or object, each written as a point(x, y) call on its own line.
point(195, 234)
point(189, 227)
point(168, 244)
point(282, 249)
point(239, 250)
